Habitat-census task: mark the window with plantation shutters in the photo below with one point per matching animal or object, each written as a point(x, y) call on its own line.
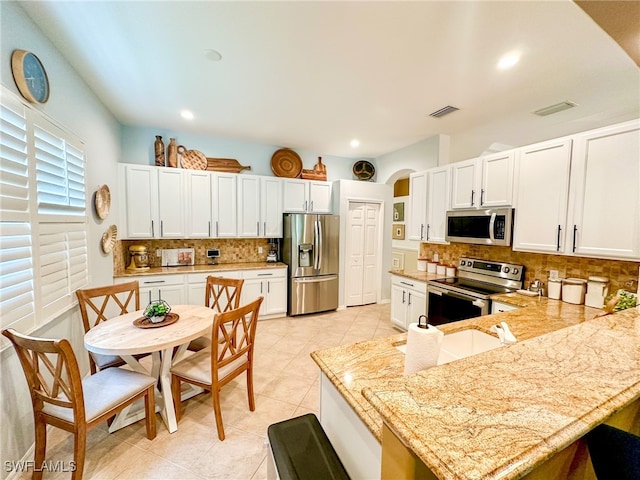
point(43, 225)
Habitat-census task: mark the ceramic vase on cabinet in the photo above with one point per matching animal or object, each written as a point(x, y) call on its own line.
point(172, 153)
point(159, 151)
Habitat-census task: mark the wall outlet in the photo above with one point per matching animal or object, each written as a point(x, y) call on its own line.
point(158, 253)
point(553, 274)
point(259, 249)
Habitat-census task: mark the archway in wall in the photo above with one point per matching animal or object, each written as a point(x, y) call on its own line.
point(404, 252)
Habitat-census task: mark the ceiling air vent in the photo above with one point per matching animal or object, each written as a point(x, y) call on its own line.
point(558, 107)
point(443, 111)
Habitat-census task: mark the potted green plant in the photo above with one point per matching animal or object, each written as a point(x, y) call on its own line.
point(157, 311)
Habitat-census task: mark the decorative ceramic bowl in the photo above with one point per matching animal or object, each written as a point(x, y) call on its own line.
point(157, 311)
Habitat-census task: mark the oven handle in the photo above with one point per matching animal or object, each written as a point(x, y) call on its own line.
point(457, 295)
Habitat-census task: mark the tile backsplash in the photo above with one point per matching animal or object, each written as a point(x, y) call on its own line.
point(622, 274)
point(233, 250)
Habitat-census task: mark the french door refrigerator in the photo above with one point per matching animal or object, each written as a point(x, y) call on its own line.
point(310, 249)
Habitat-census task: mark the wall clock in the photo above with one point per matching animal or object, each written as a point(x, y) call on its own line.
point(30, 76)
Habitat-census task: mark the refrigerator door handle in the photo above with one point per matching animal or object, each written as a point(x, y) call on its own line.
point(322, 278)
point(316, 245)
point(320, 244)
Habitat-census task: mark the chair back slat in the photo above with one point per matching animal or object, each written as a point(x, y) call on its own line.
point(100, 303)
point(51, 370)
point(223, 294)
point(233, 335)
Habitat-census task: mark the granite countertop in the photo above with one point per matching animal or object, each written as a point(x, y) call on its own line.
point(416, 275)
point(224, 267)
point(501, 413)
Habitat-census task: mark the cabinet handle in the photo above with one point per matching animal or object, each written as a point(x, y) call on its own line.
point(268, 287)
point(421, 230)
point(260, 288)
point(258, 229)
point(149, 282)
point(265, 274)
point(264, 231)
point(473, 192)
point(558, 241)
point(305, 206)
point(161, 228)
point(209, 228)
point(409, 302)
point(407, 284)
point(482, 197)
point(149, 296)
point(217, 234)
point(311, 206)
point(153, 234)
point(428, 226)
point(575, 231)
point(404, 292)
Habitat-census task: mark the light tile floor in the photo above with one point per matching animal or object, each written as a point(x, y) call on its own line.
point(286, 385)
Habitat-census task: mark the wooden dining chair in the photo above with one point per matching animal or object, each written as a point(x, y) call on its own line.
point(221, 294)
point(61, 398)
point(233, 335)
point(101, 303)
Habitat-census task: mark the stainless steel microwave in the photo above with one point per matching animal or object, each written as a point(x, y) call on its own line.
point(491, 226)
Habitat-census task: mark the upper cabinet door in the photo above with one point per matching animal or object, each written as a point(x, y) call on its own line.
point(497, 180)
point(248, 206)
point(295, 195)
point(438, 204)
point(542, 185)
point(464, 192)
point(198, 214)
point(417, 221)
point(139, 207)
point(271, 206)
point(606, 193)
point(319, 197)
point(171, 200)
point(224, 205)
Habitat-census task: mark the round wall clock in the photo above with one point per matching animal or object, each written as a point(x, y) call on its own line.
point(30, 76)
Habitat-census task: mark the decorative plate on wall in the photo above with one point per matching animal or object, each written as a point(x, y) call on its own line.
point(109, 239)
point(103, 201)
point(286, 163)
point(363, 170)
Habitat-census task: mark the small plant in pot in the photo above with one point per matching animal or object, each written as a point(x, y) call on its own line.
point(157, 311)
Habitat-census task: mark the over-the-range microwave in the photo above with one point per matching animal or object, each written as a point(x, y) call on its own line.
point(491, 226)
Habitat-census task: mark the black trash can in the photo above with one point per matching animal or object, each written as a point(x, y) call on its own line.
point(301, 451)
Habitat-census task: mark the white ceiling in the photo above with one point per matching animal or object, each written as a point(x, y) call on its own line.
point(314, 75)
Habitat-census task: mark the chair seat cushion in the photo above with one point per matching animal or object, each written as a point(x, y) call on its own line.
point(197, 367)
point(104, 391)
point(199, 343)
point(106, 361)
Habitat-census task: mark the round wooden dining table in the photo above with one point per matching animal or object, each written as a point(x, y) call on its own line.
point(119, 336)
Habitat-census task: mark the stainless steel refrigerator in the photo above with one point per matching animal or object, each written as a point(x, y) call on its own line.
point(310, 249)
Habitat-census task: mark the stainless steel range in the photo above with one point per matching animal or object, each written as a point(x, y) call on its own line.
point(467, 295)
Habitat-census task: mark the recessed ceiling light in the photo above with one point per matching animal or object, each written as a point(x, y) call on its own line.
point(186, 114)
point(213, 55)
point(355, 143)
point(508, 60)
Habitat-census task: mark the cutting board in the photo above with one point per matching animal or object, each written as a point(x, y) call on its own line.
point(230, 165)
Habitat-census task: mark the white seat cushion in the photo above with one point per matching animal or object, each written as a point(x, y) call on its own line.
point(103, 391)
point(197, 367)
point(103, 361)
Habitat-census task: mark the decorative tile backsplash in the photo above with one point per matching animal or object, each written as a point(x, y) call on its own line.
point(233, 250)
point(622, 274)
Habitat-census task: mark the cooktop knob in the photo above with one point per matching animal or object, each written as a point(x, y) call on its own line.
point(463, 263)
point(515, 271)
point(506, 269)
point(469, 263)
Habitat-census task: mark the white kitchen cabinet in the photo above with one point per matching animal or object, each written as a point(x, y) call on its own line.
point(171, 202)
point(170, 288)
point(438, 181)
point(272, 285)
point(197, 285)
point(138, 204)
point(224, 205)
point(408, 301)
point(271, 207)
point(498, 307)
point(464, 179)
point(604, 205)
point(417, 206)
point(483, 182)
point(306, 196)
point(259, 206)
point(541, 185)
point(198, 197)
point(248, 206)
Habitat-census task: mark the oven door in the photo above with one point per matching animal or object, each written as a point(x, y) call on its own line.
point(446, 306)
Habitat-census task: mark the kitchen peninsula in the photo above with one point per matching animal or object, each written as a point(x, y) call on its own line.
point(507, 413)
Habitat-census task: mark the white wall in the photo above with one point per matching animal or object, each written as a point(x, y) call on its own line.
point(73, 105)
point(137, 147)
point(343, 192)
point(416, 157)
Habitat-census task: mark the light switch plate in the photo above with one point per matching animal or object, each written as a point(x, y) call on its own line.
point(553, 274)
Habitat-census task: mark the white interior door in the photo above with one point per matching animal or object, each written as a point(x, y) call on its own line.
point(363, 256)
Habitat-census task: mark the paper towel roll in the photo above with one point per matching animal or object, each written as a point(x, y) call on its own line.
point(423, 348)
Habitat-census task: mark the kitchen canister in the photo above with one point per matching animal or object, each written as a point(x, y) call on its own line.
point(451, 271)
point(597, 291)
point(555, 288)
point(422, 264)
point(441, 269)
point(573, 290)
point(431, 267)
